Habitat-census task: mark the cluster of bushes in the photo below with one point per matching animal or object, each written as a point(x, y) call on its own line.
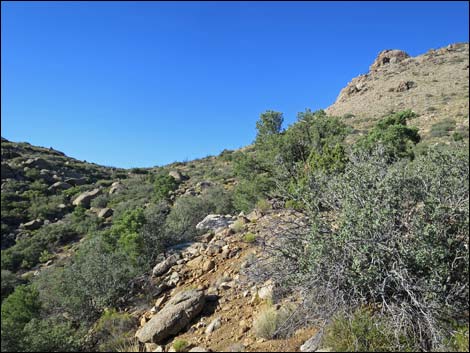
point(101, 276)
point(385, 257)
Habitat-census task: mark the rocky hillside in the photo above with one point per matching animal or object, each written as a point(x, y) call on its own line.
point(208, 301)
point(220, 253)
point(434, 85)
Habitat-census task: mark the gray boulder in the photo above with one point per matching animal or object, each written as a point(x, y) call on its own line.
point(32, 225)
point(174, 317)
point(60, 185)
point(38, 163)
point(312, 344)
point(214, 222)
point(85, 198)
point(165, 265)
point(176, 175)
point(105, 212)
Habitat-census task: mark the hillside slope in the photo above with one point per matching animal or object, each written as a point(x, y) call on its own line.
point(434, 85)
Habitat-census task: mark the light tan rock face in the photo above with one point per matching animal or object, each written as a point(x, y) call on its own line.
point(84, 199)
point(434, 85)
point(176, 314)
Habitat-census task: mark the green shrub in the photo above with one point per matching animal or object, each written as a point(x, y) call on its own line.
point(126, 231)
point(442, 128)
point(393, 134)
point(45, 256)
point(163, 185)
point(186, 213)
point(180, 345)
point(269, 322)
point(50, 335)
point(249, 238)
point(400, 231)
point(459, 340)
point(263, 205)
point(100, 201)
point(97, 278)
point(17, 310)
point(71, 192)
point(364, 332)
point(238, 226)
point(113, 330)
point(9, 282)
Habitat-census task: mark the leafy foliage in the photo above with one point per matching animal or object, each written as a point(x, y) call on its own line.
point(394, 135)
point(17, 310)
point(164, 184)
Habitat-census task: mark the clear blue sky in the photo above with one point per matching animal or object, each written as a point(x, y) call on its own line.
point(147, 83)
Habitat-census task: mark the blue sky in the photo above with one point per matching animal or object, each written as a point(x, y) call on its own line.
point(139, 84)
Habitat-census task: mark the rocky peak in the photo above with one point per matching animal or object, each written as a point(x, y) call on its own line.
point(388, 56)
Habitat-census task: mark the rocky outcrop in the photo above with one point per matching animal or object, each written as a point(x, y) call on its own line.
point(60, 185)
point(38, 163)
point(105, 212)
point(214, 222)
point(165, 265)
point(84, 199)
point(32, 225)
point(388, 56)
point(115, 187)
point(175, 316)
point(177, 176)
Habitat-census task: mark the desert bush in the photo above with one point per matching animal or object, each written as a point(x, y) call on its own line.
point(126, 232)
point(180, 345)
point(387, 234)
point(50, 335)
point(98, 277)
point(163, 185)
point(131, 345)
point(263, 205)
point(443, 128)
point(238, 226)
point(26, 252)
point(364, 332)
point(249, 238)
point(100, 201)
point(113, 330)
point(458, 342)
point(269, 322)
point(9, 282)
point(17, 310)
point(186, 213)
point(220, 200)
point(393, 134)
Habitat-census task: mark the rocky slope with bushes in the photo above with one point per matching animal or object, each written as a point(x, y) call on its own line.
point(346, 231)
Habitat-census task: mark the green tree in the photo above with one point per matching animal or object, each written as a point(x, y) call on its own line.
point(164, 184)
point(269, 124)
point(127, 229)
point(394, 135)
point(17, 310)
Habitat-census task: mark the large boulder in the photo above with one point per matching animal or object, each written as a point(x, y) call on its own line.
point(388, 56)
point(175, 316)
point(85, 198)
point(76, 181)
point(38, 163)
point(115, 187)
point(214, 222)
point(165, 265)
point(177, 176)
point(32, 225)
point(105, 212)
point(60, 185)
